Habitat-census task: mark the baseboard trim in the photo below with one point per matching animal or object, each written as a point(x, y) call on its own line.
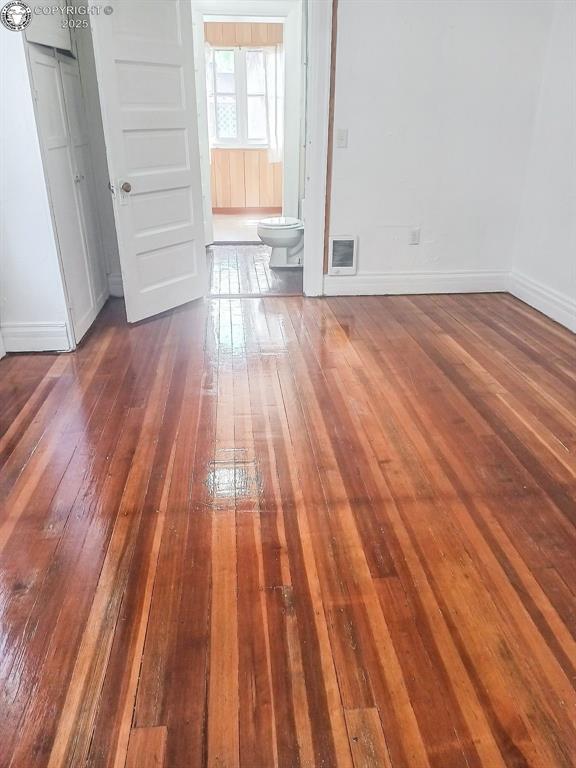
point(370, 284)
point(115, 284)
point(554, 304)
point(35, 337)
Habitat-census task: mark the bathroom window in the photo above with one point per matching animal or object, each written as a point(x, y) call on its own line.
point(238, 96)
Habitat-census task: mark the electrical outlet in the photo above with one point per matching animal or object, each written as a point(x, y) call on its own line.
point(415, 236)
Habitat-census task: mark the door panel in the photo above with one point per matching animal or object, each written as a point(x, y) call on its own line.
point(60, 171)
point(84, 176)
point(145, 68)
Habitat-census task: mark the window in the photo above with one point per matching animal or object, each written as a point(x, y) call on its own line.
point(237, 97)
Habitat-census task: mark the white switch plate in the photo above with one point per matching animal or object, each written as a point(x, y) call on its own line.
point(415, 236)
point(342, 138)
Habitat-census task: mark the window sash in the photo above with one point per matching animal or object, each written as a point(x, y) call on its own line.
point(241, 96)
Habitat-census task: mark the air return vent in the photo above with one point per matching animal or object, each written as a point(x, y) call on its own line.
point(342, 255)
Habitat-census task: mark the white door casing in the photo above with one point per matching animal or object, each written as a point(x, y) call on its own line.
point(145, 69)
point(60, 167)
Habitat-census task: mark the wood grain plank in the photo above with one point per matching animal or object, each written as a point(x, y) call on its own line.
point(243, 33)
point(237, 179)
point(222, 187)
point(213, 32)
point(147, 747)
point(229, 33)
point(252, 177)
point(266, 179)
point(277, 181)
point(279, 531)
point(367, 740)
point(259, 33)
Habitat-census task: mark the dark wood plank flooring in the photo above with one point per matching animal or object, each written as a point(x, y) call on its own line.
point(292, 532)
point(243, 270)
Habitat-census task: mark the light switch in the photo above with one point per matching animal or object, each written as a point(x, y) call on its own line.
point(342, 138)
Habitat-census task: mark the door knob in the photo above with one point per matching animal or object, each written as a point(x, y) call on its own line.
point(126, 187)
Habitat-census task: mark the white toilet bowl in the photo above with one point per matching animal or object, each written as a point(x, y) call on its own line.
point(285, 236)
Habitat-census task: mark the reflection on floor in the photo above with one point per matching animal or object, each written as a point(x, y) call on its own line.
point(236, 228)
point(242, 270)
point(290, 532)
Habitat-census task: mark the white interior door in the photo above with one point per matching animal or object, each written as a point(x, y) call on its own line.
point(145, 68)
point(84, 176)
point(62, 177)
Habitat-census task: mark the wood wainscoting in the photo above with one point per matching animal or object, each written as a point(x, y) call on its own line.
point(242, 33)
point(244, 178)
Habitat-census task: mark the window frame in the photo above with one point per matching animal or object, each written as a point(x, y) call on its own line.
point(241, 83)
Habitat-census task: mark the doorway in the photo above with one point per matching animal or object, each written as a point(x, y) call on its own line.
point(245, 109)
point(155, 114)
point(250, 84)
point(66, 149)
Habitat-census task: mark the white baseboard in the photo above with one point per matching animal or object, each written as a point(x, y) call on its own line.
point(550, 302)
point(115, 284)
point(35, 337)
point(370, 284)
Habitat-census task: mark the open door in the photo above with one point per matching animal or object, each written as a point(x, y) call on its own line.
point(145, 68)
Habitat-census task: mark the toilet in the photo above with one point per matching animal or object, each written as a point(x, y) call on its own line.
point(285, 235)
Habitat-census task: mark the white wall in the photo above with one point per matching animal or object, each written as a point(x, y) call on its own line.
point(544, 265)
point(439, 98)
point(33, 312)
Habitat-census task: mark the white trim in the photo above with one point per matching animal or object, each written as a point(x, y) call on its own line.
point(293, 109)
point(554, 304)
point(317, 112)
point(2, 347)
point(36, 337)
point(377, 283)
point(115, 284)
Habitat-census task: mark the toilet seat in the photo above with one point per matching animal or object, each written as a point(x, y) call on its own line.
point(285, 236)
point(281, 222)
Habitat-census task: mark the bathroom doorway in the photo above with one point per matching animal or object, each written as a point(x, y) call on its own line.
point(250, 78)
point(245, 98)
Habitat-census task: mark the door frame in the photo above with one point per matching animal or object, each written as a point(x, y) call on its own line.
point(315, 53)
point(319, 73)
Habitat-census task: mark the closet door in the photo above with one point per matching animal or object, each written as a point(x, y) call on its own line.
point(60, 173)
point(84, 175)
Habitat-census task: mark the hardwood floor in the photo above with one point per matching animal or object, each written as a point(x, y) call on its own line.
point(243, 270)
point(292, 532)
